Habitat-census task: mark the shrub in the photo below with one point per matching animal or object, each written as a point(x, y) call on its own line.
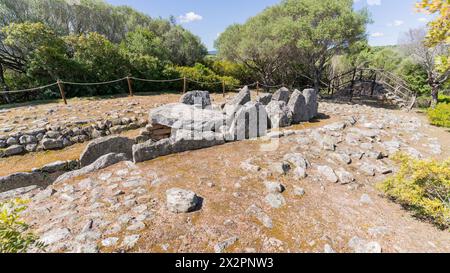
point(440, 116)
point(205, 78)
point(14, 237)
point(422, 186)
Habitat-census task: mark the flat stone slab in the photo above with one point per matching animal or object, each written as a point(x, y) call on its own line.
point(189, 117)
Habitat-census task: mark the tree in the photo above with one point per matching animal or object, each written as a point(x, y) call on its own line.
point(297, 38)
point(183, 47)
point(413, 43)
point(439, 31)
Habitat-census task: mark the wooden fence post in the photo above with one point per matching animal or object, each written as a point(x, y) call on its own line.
point(184, 85)
point(223, 89)
point(373, 84)
point(257, 88)
point(61, 90)
point(130, 89)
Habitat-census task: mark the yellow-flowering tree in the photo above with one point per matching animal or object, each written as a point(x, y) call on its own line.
point(438, 34)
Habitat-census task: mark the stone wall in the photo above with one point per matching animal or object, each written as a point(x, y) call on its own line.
point(41, 177)
point(55, 137)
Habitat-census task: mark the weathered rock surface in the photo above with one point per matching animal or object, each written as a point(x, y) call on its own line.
point(264, 99)
point(106, 145)
point(181, 141)
point(101, 163)
point(181, 201)
point(187, 117)
point(297, 106)
point(232, 106)
point(279, 114)
point(197, 98)
point(250, 121)
point(312, 104)
point(281, 94)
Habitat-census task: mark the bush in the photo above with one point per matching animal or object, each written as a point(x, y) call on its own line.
point(14, 237)
point(205, 78)
point(440, 116)
point(423, 186)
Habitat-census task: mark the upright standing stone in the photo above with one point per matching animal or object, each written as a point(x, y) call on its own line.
point(282, 94)
point(297, 106)
point(279, 114)
point(242, 98)
point(312, 105)
point(250, 122)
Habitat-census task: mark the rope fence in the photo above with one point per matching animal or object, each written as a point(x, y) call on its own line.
point(129, 79)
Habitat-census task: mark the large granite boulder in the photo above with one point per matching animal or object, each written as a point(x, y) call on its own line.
point(106, 145)
point(281, 94)
point(250, 121)
point(182, 116)
point(240, 99)
point(279, 114)
point(312, 104)
point(198, 98)
point(264, 99)
point(297, 106)
point(180, 141)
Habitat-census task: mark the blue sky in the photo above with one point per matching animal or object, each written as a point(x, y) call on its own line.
point(208, 19)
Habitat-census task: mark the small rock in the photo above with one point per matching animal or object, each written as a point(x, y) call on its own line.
point(275, 200)
point(274, 187)
point(299, 191)
point(181, 201)
point(328, 173)
point(220, 247)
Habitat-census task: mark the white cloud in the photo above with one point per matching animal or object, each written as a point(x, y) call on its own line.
point(396, 23)
point(373, 2)
point(377, 34)
point(190, 17)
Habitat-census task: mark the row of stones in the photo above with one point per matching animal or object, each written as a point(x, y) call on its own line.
point(55, 137)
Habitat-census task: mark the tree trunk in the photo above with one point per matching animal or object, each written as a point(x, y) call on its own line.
point(434, 95)
point(4, 86)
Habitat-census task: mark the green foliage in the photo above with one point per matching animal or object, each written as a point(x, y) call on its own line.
point(205, 77)
point(440, 115)
point(423, 186)
point(14, 237)
point(231, 69)
point(88, 41)
point(295, 38)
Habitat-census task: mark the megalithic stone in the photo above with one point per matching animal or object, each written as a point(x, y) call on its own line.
point(297, 105)
point(312, 104)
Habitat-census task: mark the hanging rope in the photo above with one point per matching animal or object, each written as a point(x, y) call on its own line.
point(93, 83)
point(145, 80)
point(28, 90)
